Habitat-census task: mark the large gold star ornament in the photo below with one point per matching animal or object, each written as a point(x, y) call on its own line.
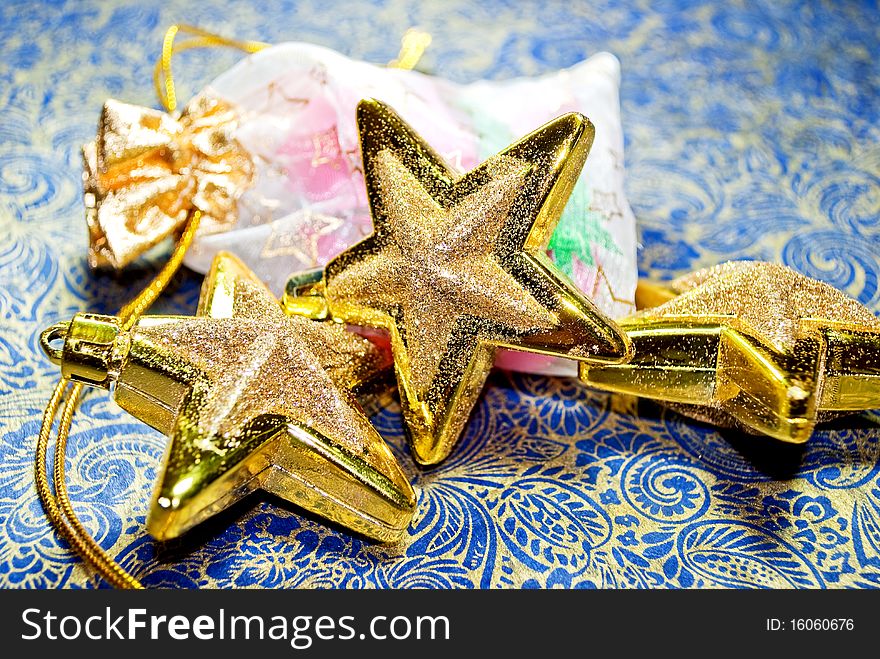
point(252, 399)
point(456, 266)
point(752, 345)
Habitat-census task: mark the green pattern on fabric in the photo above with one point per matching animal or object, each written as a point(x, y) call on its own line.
point(579, 227)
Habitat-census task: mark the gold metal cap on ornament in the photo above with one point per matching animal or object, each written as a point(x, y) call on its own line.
point(91, 348)
point(753, 345)
point(251, 399)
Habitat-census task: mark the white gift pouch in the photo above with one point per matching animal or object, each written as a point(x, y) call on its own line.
point(269, 153)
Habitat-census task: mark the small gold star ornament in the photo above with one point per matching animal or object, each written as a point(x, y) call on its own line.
point(752, 345)
point(251, 399)
point(456, 266)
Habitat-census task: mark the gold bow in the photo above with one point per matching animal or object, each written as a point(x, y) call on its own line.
point(147, 170)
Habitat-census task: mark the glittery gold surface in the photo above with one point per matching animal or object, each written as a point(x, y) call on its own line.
point(751, 344)
point(146, 170)
point(455, 267)
point(459, 277)
point(259, 400)
point(771, 299)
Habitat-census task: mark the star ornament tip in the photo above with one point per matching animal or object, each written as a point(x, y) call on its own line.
point(750, 345)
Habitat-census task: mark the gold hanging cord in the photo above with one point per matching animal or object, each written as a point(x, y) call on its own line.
point(412, 46)
point(57, 505)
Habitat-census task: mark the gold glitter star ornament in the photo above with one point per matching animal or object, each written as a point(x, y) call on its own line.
point(456, 266)
point(752, 345)
point(251, 399)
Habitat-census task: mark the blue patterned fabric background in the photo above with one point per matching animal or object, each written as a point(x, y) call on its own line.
point(751, 132)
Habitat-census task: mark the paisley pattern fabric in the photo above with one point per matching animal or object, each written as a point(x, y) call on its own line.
point(751, 133)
